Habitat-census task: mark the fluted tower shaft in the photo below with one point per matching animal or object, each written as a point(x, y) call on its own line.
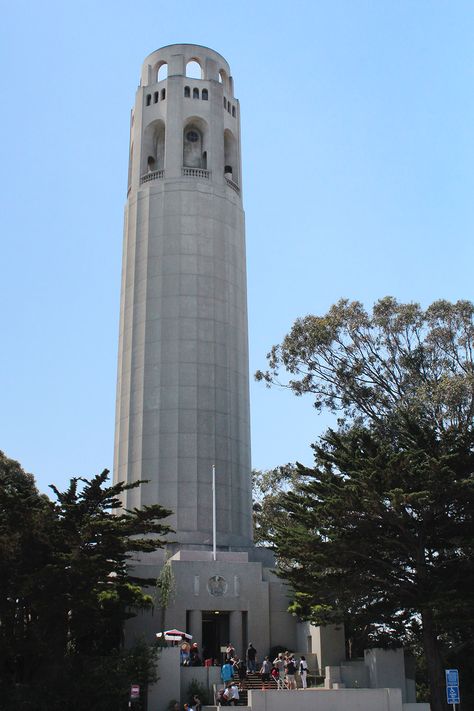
point(182, 390)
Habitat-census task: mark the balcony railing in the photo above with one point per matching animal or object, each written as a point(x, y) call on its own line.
point(196, 173)
point(156, 175)
point(233, 185)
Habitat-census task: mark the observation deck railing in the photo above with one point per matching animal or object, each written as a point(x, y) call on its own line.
point(155, 175)
point(196, 173)
point(233, 185)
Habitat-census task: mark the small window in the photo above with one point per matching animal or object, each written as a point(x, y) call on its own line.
point(195, 93)
point(205, 94)
point(163, 94)
point(233, 111)
point(187, 91)
point(225, 102)
point(155, 97)
point(192, 136)
point(148, 99)
point(228, 106)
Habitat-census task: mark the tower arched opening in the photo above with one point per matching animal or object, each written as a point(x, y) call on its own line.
point(231, 157)
point(223, 78)
point(194, 144)
point(153, 147)
point(161, 71)
point(193, 69)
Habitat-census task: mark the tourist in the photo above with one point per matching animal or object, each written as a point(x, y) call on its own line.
point(303, 668)
point(227, 696)
point(229, 652)
point(275, 674)
point(290, 673)
point(227, 672)
point(234, 698)
point(279, 663)
point(184, 654)
point(241, 669)
point(194, 658)
point(251, 658)
point(197, 703)
point(265, 672)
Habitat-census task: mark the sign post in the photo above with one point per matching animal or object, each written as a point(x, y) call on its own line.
point(452, 687)
point(134, 693)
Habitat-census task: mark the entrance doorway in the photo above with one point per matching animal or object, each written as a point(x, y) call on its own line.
point(215, 633)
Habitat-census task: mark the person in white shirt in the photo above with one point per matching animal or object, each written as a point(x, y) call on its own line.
point(303, 669)
point(234, 698)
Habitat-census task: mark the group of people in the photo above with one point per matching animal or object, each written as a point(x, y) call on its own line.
point(189, 655)
point(283, 670)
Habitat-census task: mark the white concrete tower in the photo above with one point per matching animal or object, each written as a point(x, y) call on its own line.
point(182, 391)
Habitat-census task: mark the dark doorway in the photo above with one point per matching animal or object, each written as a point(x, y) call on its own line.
point(215, 633)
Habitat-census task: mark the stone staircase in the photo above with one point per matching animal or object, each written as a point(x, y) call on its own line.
point(253, 681)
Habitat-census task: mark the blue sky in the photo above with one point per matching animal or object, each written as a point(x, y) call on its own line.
point(358, 177)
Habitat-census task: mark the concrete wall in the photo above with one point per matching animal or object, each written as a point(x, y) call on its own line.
point(386, 668)
point(168, 685)
point(207, 676)
point(328, 700)
point(355, 675)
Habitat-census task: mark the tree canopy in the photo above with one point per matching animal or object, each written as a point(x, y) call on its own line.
point(380, 532)
point(66, 590)
point(366, 366)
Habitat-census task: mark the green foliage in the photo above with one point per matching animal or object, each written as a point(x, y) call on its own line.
point(165, 591)
point(380, 533)
point(367, 366)
point(66, 592)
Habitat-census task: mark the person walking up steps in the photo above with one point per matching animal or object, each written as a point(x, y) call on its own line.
point(251, 658)
point(265, 672)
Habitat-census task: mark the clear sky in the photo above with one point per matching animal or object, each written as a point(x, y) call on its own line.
point(358, 176)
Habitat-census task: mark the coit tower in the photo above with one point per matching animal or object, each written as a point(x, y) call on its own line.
point(182, 389)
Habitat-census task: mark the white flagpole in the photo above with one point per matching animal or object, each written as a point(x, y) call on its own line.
point(214, 556)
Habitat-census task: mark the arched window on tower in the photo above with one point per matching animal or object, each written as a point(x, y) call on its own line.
point(148, 99)
point(195, 93)
point(153, 153)
point(163, 94)
point(162, 72)
point(223, 79)
point(155, 97)
point(193, 155)
point(187, 91)
point(225, 102)
point(231, 162)
point(233, 111)
point(193, 69)
point(205, 95)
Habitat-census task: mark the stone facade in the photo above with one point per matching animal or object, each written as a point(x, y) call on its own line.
point(182, 390)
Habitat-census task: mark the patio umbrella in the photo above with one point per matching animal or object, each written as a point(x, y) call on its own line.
point(174, 635)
